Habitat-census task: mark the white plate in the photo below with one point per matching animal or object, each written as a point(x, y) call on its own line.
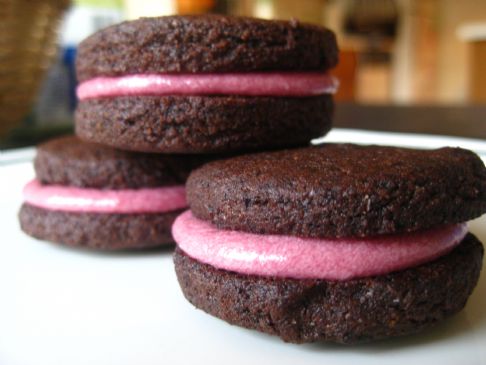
point(64, 306)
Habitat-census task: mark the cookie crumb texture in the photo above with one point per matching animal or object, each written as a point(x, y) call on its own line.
point(340, 190)
point(205, 44)
point(348, 312)
point(198, 124)
point(98, 231)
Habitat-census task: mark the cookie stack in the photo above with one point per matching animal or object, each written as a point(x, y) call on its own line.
point(157, 98)
point(336, 242)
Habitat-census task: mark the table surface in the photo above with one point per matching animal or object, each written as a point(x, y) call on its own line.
point(467, 120)
point(68, 306)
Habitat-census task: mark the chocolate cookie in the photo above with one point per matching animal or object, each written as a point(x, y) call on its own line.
point(336, 242)
point(94, 196)
point(205, 44)
point(203, 124)
point(97, 230)
point(336, 190)
point(358, 310)
point(200, 84)
point(70, 161)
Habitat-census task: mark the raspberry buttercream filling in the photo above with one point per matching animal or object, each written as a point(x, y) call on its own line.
point(74, 199)
point(245, 84)
point(301, 258)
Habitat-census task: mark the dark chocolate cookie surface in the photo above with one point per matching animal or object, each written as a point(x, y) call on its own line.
point(203, 124)
point(71, 161)
point(204, 44)
point(98, 230)
point(358, 310)
point(338, 190)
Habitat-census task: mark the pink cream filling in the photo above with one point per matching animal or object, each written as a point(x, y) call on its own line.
point(295, 257)
point(73, 199)
point(250, 84)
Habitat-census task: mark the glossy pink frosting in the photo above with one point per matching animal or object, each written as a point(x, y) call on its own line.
point(251, 84)
point(73, 199)
point(295, 257)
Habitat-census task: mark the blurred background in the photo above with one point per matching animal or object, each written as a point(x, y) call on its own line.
point(415, 66)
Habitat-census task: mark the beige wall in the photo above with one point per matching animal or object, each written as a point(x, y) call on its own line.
point(453, 52)
point(431, 63)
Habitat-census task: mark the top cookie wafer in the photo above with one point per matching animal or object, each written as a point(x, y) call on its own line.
point(71, 162)
point(340, 190)
point(205, 44)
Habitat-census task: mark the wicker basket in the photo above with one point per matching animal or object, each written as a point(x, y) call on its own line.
point(28, 35)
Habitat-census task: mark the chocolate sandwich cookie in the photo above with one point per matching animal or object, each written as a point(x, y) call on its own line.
point(338, 243)
point(191, 84)
point(94, 196)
